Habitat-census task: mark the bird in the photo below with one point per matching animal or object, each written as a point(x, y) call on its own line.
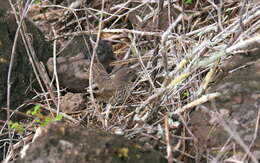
point(115, 84)
point(73, 73)
point(73, 69)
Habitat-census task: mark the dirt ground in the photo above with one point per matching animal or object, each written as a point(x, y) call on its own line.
point(178, 77)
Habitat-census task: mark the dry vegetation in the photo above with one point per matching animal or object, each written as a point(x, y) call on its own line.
point(177, 47)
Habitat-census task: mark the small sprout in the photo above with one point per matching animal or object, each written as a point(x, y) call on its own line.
point(17, 127)
point(41, 118)
point(36, 110)
point(46, 121)
point(185, 94)
point(37, 1)
point(38, 120)
point(58, 117)
point(189, 1)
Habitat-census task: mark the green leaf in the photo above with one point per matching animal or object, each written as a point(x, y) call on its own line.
point(189, 1)
point(37, 1)
point(17, 127)
point(58, 117)
point(38, 120)
point(43, 124)
point(14, 125)
point(36, 109)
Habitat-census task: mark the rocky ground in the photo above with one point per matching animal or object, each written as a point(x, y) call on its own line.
point(134, 82)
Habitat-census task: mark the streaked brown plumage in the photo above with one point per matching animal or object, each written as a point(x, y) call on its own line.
point(73, 73)
point(115, 84)
point(73, 65)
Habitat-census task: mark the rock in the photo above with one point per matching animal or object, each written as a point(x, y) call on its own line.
point(72, 72)
point(72, 102)
point(22, 76)
point(82, 44)
point(74, 62)
point(23, 83)
point(236, 109)
point(63, 144)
